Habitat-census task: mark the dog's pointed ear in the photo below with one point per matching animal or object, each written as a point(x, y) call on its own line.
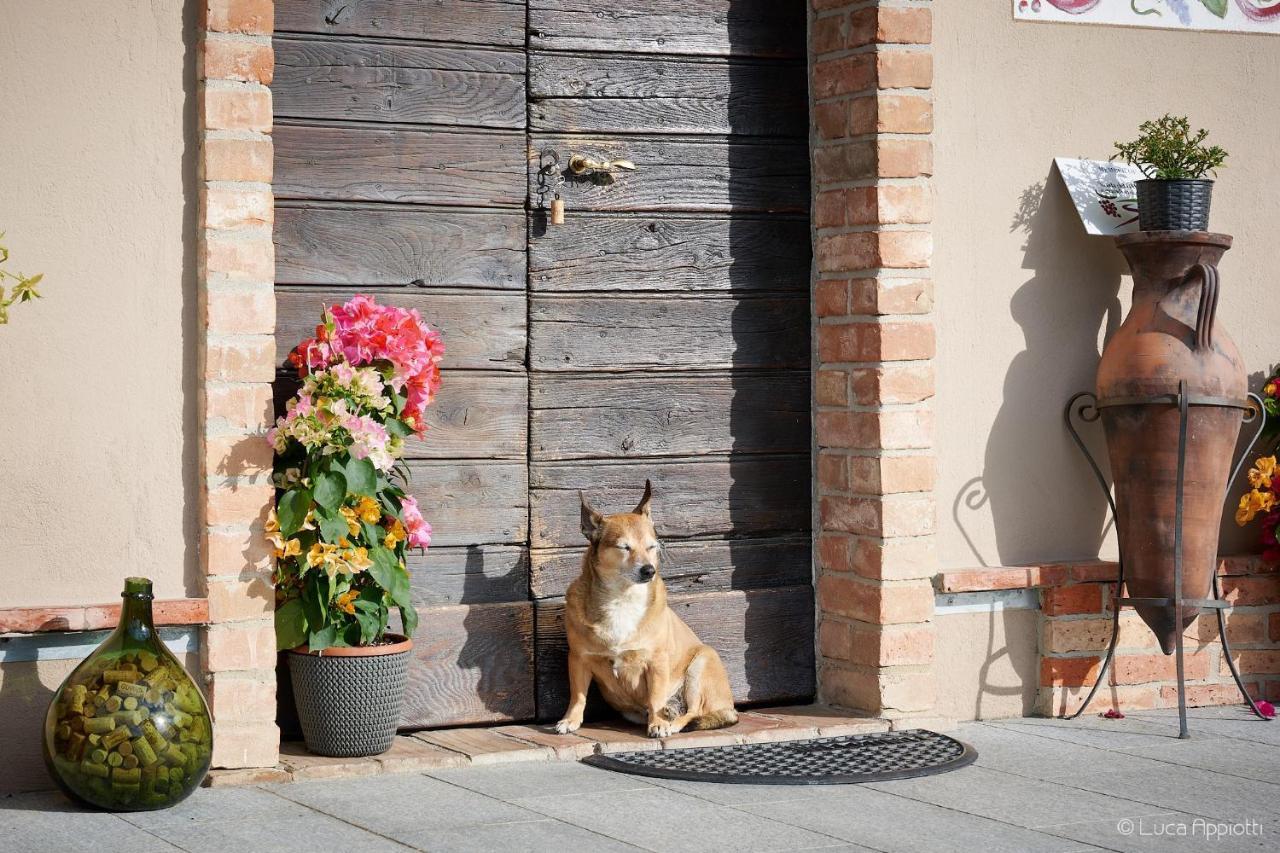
point(591, 520)
point(642, 508)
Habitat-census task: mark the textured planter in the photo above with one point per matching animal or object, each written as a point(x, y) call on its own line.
point(349, 700)
point(1170, 334)
point(1174, 205)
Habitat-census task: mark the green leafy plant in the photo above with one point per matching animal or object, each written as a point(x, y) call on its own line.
point(23, 289)
point(1167, 150)
point(344, 520)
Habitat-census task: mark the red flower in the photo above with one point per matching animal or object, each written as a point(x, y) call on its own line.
point(1266, 708)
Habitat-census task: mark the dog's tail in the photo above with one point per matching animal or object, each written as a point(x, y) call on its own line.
point(716, 719)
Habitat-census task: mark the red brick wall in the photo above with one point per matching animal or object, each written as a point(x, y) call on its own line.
point(237, 313)
point(1075, 623)
point(871, 69)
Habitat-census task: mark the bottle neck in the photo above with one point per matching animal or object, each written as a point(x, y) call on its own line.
point(135, 617)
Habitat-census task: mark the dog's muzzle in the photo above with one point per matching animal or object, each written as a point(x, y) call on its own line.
point(645, 573)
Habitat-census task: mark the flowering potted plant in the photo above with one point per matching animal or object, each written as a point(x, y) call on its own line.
point(1176, 194)
point(1262, 501)
point(344, 520)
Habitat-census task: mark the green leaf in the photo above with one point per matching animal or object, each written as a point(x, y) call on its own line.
point(291, 625)
point(331, 489)
point(362, 477)
point(409, 616)
point(1217, 7)
point(368, 627)
point(313, 603)
point(390, 575)
point(291, 511)
point(333, 529)
point(324, 638)
point(397, 427)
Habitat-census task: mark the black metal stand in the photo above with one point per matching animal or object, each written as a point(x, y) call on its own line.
point(1089, 412)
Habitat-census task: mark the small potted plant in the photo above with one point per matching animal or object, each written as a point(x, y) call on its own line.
point(1175, 196)
point(344, 520)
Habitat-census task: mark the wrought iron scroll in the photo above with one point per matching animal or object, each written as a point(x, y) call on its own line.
point(1088, 409)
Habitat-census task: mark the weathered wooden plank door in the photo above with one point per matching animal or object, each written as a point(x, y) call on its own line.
point(400, 171)
point(661, 332)
point(669, 316)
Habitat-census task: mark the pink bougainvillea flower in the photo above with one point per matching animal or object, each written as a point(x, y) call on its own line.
point(1114, 714)
point(1266, 708)
point(417, 528)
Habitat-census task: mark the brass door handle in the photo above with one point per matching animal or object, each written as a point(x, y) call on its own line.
point(580, 164)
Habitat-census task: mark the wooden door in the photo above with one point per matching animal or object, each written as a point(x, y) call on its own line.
point(662, 332)
point(669, 317)
point(400, 151)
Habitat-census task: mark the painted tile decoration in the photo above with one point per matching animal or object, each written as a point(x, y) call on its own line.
point(1237, 16)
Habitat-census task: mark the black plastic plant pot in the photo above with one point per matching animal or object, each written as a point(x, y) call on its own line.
point(1174, 205)
point(349, 700)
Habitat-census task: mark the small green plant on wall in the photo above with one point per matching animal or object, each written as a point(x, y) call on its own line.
point(23, 288)
point(1167, 150)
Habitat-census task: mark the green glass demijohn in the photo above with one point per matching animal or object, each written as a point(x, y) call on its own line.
point(129, 729)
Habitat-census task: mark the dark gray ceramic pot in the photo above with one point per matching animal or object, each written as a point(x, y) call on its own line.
point(349, 700)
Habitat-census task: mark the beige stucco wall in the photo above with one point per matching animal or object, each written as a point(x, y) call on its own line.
point(96, 379)
point(1023, 296)
point(987, 664)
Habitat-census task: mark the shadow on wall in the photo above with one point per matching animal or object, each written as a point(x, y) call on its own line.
point(1042, 496)
point(24, 699)
point(770, 329)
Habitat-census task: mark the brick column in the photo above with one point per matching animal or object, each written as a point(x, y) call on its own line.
point(871, 69)
point(236, 262)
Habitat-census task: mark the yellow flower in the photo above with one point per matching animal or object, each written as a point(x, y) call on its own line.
point(395, 535)
point(1262, 471)
point(292, 548)
point(353, 526)
point(358, 559)
point(1253, 503)
point(345, 600)
point(1269, 389)
point(315, 556)
point(370, 510)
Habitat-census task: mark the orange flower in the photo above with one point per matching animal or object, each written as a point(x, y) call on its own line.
point(345, 600)
point(1262, 472)
point(1253, 503)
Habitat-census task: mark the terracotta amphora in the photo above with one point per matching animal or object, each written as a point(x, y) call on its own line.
point(1171, 334)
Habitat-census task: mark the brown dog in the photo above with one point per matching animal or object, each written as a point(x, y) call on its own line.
point(649, 665)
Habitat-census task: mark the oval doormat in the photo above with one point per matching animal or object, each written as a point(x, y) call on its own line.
point(825, 761)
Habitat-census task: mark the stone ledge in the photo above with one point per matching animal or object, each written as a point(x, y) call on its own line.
point(987, 579)
point(430, 750)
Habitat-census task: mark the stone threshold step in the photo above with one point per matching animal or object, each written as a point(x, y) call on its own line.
point(431, 750)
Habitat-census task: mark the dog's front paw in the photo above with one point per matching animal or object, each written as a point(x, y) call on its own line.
point(564, 727)
point(664, 729)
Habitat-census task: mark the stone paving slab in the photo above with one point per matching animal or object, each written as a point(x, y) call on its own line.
point(890, 823)
point(1134, 788)
point(423, 752)
point(660, 819)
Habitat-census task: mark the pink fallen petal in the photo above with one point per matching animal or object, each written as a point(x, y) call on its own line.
point(1113, 714)
point(1266, 708)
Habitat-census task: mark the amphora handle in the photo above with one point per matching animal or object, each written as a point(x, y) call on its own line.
point(1208, 310)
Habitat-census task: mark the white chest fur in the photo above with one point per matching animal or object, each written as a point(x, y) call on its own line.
point(621, 615)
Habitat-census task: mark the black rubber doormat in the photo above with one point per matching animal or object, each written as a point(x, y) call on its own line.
point(826, 761)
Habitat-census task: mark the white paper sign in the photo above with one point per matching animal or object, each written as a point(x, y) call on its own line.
point(1237, 16)
point(1103, 193)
